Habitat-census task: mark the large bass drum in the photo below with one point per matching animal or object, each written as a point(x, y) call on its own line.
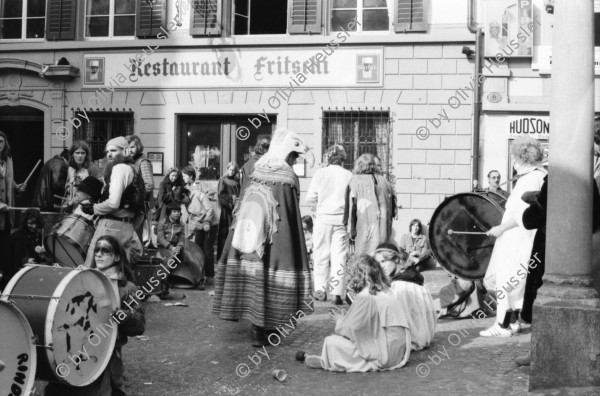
point(18, 355)
point(69, 311)
point(465, 255)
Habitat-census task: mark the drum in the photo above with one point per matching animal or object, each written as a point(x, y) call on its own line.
point(70, 239)
point(70, 312)
point(465, 255)
point(18, 355)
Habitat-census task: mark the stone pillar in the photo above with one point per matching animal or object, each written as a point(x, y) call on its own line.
point(566, 317)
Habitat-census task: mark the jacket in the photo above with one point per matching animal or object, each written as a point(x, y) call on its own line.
point(169, 234)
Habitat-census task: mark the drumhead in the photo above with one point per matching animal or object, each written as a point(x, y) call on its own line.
point(77, 307)
point(466, 256)
point(18, 353)
point(64, 250)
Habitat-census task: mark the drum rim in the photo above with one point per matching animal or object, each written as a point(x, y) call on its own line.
point(32, 345)
point(13, 281)
point(74, 244)
point(435, 213)
point(49, 324)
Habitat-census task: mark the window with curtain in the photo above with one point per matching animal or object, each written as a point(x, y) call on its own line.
point(22, 19)
point(371, 15)
point(359, 132)
point(109, 18)
point(102, 126)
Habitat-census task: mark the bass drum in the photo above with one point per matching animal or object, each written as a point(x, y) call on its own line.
point(18, 356)
point(465, 255)
point(69, 311)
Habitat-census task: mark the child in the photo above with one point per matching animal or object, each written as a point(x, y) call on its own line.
point(88, 192)
point(374, 333)
point(407, 286)
point(307, 226)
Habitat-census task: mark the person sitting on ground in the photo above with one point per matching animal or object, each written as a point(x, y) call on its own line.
point(170, 233)
point(88, 192)
point(407, 284)
point(111, 260)
point(416, 244)
point(374, 334)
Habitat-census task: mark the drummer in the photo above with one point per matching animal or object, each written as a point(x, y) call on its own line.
point(114, 218)
point(494, 183)
point(88, 192)
point(109, 257)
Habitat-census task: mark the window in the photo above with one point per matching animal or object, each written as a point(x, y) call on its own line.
point(410, 16)
point(371, 15)
point(259, 17)
point(359, 132)
point(22, 19)
point(109, 18)
point(102, 126)
point(206, 18)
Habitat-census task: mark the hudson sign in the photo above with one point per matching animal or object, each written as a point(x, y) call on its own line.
point(534, 126)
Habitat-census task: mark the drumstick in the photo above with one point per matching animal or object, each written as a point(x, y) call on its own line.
point(450, 232)
point(61, 197)
point(33, 170)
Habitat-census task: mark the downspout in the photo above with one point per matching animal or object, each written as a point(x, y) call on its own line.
point(472, 26)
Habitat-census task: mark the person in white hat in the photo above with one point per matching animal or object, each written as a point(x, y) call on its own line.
point(116, 210)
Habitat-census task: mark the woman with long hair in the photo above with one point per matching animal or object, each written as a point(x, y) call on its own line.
point(369, 210)
point(416, 244)
point(170, 191)
point(374, 334)
point(229, 193)
point(110, 259)
point(80, 167)
point(8, 189)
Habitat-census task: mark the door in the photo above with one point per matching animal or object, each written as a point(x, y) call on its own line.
point(24, 127)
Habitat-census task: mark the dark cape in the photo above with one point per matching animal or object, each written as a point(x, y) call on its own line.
point(228, 187)
point(52, 181)
point(263, 273)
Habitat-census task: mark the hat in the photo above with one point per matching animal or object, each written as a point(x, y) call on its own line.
point(119, 142)
point(92, 187)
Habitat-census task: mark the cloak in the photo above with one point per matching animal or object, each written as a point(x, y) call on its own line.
point(263, 272)
point(52, 181)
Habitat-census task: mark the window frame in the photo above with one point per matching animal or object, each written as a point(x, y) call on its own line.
point(390, 5)
point(24, 19)
point(111, 23)
point(233, 14)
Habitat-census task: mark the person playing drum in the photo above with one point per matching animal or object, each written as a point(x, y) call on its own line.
point(88, 192)
point(114, 211)
point(110, 258)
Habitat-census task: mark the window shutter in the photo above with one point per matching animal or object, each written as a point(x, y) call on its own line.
point(206, 18)
point(304, 16)
point(60, 19)
point(150, 16)
point(410, 16)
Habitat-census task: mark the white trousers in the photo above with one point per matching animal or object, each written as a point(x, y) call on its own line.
point(330, 252)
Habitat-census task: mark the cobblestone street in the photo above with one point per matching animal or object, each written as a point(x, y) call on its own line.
point(191, 352)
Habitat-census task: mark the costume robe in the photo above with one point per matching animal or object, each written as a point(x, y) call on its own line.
point(373, 336)
point(513, 248)
point(263, 272)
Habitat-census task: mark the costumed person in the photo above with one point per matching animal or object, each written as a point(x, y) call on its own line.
point(80, 167)
point(416, 244)
point(25, 245)
point(51, 183)
point(368, 208)
point(494, 183)
point(263, 274)
point(170, 191)
point(121, 201)
point(229, 193)
point(260, 148)
point(374, 334)
point(143, 167)
point(514, 242)
point(89, 191)
point(110, 259)
point(407, 284)
point(326, 197)
point(8, 189)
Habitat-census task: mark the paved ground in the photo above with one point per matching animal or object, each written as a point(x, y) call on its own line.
point(190, 352)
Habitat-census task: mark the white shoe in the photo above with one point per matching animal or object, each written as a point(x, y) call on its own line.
point(496, 331)
point(516, 327)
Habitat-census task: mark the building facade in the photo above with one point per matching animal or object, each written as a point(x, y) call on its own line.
point(198, 80)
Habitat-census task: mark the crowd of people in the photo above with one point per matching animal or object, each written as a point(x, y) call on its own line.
point(271, 260)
